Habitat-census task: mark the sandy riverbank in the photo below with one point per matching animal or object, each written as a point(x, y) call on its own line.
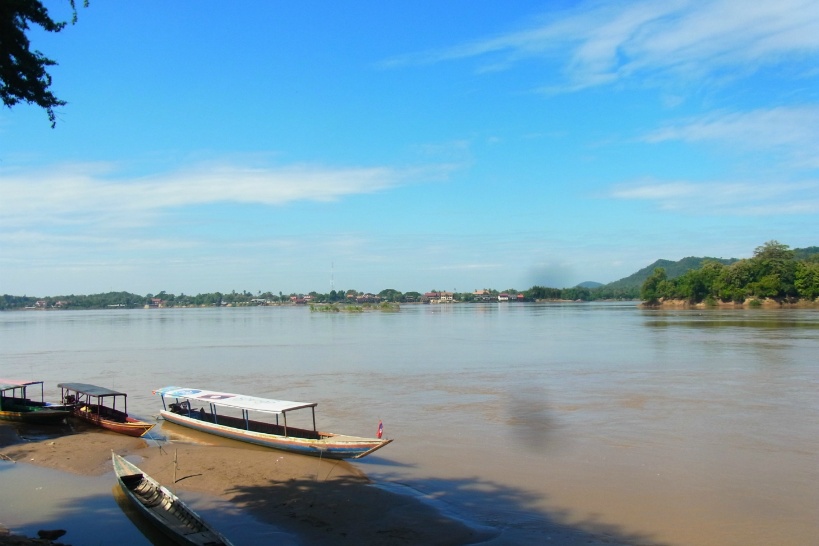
point(320, 501)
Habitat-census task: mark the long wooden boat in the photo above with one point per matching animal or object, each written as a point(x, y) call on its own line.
point(15, 404)
point(98, 406)
point(163, 508)
point(216, 420)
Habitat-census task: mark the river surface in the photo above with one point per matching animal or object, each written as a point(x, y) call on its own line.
point(675, 427)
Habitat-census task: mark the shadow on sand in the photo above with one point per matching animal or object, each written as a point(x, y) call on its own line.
point(353, 511)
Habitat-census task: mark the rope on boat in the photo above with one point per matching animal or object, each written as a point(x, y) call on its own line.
point(149, 437)
point(318, 464)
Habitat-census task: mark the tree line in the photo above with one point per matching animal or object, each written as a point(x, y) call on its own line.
point(129, 300)
point(774, 272)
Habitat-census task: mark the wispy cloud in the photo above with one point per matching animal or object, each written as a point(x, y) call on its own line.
point(725, 198)
point(90, 193)
point(792, 130)
point(597, 43)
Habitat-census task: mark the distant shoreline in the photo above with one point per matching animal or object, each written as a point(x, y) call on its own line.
point(766, 303)
point(303, 305)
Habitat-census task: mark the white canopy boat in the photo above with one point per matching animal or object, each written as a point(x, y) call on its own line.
point(278, 435)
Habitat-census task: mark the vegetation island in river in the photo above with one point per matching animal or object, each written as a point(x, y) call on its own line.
point(775, 274)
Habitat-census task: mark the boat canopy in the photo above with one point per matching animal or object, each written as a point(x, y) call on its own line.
point(8, 384)
point(239, 401)
point(91, 390)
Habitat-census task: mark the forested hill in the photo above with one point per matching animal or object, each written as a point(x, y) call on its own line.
point(680, 267)
point(672, 270)
point(805, 253)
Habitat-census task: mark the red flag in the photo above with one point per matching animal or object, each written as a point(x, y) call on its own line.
point(380, 429)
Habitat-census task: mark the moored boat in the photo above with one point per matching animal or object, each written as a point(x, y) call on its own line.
point(15, 404)
point(276, 435)
point(98, 406)
point(164, 509)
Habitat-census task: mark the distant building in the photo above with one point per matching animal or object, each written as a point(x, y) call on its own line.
point(430, 297)
point(482, 295)
point(438, 297)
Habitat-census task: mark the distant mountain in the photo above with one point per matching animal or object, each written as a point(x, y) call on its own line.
point(590, 284)
point(672, 270)
point(675, 269)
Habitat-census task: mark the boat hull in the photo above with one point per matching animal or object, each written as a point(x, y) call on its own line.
point(128, 425)
point(328, 446)
point(34, 415)
point(164, 509)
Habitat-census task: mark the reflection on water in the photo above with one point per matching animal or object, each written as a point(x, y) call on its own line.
point(141, 522)
point(94, 511)
point(688, 427)
point(784, 320)
point(47, 499)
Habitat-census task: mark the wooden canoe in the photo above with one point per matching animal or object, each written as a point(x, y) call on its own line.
point(98, 406)
point(164, 509)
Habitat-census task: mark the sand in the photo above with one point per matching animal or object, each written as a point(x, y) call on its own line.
point(320, 501)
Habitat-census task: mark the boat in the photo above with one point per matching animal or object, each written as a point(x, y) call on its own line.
point(15, 404)
point(89, 404)
point(164, 509)
point(212, 417)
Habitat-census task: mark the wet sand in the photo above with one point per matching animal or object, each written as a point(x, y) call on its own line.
point(319, 501)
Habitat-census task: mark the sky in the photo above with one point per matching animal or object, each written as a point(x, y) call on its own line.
point(295, 147)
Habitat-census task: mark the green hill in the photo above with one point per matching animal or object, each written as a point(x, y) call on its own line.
point(672, 270)
point(675, 269)
point(805, 253)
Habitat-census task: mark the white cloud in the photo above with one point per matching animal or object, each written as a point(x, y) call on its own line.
point(90, 193)
point(725, 198)
point(601, 42)
point(792, 130)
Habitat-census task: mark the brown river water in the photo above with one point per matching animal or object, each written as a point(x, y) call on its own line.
point(650, 427)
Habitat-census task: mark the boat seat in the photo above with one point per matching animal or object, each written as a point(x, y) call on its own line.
point(131, 480)
point(184, 516)
point(199, 537)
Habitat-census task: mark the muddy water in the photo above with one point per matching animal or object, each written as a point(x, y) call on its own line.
point(677, 427)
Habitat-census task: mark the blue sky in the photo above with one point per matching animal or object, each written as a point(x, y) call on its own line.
point(283, 146)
